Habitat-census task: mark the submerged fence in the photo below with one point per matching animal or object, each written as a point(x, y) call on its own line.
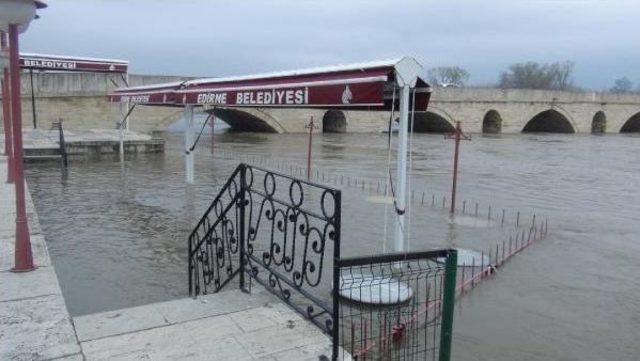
point(474, 269)
point(399, 307)
point(379, 187)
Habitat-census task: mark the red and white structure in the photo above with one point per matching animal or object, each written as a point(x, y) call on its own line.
point(15, 17)
point(63, 63)
point(377, 85)
point(47, 62)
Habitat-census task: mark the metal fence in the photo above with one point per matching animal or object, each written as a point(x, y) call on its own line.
point(281, 231)
point(293, 238)
point(396, 306)
point(214, 247)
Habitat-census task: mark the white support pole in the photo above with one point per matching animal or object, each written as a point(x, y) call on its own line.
point(401, 178)
point(188, 140)
point(128, 118)
point(123, 112)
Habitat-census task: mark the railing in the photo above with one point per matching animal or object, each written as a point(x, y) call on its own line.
point(213, 244)
point(284, 233)
point(397, 306)
point(61, 142)
point(293, 238)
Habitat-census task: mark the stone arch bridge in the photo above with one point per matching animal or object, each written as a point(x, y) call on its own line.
point(480, 110)
point(80, 99)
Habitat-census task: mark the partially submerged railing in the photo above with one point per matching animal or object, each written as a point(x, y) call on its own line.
point(62, 144)
point(400, 306)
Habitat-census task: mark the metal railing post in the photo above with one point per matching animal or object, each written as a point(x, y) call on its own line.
point(190, 269)
point(63, 146)
point(335, 331)
point(242, 204)
point(448, 302)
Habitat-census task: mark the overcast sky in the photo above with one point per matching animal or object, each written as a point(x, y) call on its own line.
point(215, 38)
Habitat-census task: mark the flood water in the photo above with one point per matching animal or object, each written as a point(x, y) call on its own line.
point(117, 233)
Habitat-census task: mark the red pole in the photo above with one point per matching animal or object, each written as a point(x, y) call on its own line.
point(457, 135)
point(310, 126)
point(23, 255)
point(6, 113)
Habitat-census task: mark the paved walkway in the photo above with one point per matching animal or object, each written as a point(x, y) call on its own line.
point(226, 326)
point(35, 324)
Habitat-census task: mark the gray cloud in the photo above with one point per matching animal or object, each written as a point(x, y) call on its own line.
point(212, 38)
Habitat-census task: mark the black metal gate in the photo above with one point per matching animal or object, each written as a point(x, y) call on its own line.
point(283, 232)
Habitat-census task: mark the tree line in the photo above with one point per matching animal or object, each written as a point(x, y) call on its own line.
point(528, 75)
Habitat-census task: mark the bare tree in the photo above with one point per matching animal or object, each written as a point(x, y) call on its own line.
point(532, 75)
point(561, 74)
point(448, 76)
point(622, 85)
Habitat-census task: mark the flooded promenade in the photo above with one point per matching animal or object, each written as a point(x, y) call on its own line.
point(117, 231)
point(36, 324)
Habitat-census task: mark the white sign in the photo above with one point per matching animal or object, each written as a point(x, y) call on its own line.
point(135, 99)
point(50, 64)
point(295, 96)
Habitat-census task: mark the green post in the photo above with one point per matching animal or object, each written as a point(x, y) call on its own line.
point(448, 302)
point(241, 234)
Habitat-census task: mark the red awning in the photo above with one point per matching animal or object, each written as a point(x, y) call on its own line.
point(157, 94)
point(71, 63)
point(356, 86)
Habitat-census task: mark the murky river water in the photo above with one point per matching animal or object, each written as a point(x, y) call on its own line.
point(117, 233)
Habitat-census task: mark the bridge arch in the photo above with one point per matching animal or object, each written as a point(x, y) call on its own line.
point(492, 122)
point(248, 120)
point(632, 125)
point(599, 123)
point(432, 122)
point(334, 121)
point(549, 121)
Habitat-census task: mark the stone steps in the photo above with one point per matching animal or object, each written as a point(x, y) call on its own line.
point(230, 325)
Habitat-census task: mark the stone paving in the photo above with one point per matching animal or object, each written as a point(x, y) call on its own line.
point(231, 325)
point(34, 322)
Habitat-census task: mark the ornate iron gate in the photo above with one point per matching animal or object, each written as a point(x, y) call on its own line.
point(283, 232)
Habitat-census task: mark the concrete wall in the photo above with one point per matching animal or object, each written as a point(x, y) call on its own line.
point(80, 100)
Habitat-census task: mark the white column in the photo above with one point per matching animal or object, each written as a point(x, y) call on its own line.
point(128, 118)
point(123, 113)
point(401, 177)
point(188, 141)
